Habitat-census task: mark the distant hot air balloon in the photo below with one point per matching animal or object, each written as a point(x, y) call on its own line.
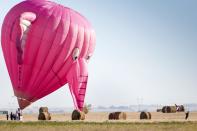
point(46, 46)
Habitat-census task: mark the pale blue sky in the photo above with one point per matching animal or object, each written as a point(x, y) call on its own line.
point(145, 49)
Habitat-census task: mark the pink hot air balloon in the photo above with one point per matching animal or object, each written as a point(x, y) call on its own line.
point(46, 46)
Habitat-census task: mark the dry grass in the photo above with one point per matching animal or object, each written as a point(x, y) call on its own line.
point(99, 122)
point(99, 126)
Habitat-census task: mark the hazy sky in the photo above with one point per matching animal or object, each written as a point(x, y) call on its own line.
point(146, 52)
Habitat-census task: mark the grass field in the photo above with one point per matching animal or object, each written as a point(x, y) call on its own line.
point(98, 122)
point(98, 126)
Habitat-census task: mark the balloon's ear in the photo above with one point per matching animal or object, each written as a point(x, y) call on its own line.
point(26, 20)
point(19, 32)
point(21, 25)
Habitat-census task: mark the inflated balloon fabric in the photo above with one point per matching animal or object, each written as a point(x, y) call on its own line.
point(46, 46)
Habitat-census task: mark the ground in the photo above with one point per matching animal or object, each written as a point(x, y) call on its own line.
point(103, 116)
point(99, 122)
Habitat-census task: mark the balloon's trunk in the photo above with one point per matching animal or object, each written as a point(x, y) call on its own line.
point(77, 79)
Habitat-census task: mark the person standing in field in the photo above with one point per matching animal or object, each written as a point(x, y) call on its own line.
point(186, 115)
point(18, 113)
point(7, 116)
point(21, 114)
point(11, 116)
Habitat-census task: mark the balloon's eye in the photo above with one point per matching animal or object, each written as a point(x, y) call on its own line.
point(76, 53)
point(88, 57)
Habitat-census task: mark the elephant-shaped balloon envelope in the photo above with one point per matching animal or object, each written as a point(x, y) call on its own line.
point(46, 46)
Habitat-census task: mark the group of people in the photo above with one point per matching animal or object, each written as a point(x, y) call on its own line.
point(15, 116)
